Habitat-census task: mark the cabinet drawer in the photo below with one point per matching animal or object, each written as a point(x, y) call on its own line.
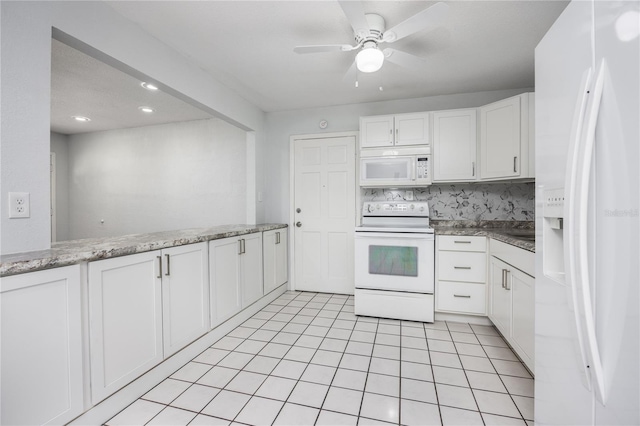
point(466, 298)
point(462, 243)
point(462, 266)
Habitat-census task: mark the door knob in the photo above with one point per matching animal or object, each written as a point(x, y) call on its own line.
point(298, 224)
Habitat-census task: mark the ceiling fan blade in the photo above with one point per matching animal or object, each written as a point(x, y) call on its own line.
point(404, 59)
point(355, 14)
point(429, 17)
point(351, 75)
point(324, 48)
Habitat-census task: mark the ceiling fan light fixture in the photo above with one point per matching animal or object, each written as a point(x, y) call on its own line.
point(369, 59)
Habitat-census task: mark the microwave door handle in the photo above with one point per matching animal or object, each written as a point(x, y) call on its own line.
point(413, 165)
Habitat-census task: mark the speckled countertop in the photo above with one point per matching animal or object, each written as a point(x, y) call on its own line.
point(77, 251)
point(519, 234)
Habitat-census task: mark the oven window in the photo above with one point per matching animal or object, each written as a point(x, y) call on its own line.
point(393, 260)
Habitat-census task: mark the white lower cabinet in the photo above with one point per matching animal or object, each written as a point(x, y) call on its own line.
point(523, 301)
point(500, 311)
point(41, 356)
point(235, 269)
point(461, 268)
point(274, 253)
point(512, 303)
point(125, 313)
point(185, 295)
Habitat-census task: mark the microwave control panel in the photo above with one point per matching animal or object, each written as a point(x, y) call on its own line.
point(423, 168)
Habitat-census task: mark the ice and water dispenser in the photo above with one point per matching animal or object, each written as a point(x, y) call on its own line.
point(553, 234)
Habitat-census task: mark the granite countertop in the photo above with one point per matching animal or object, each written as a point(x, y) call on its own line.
point(519, 234)
point(77, 251)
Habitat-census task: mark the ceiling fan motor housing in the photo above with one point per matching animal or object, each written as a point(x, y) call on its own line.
point(376, 29)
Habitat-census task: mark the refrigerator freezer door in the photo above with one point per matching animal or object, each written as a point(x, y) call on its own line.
point(617, 180)
point(564, 58)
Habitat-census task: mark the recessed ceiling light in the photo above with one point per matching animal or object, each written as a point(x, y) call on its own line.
point(149, 86)
point(80, 118)
point(146, 109)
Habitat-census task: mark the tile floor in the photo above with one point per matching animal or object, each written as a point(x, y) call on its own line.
point(307, 359)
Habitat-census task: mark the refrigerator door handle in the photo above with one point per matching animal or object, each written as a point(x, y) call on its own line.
point(570, 245)
point(582, 192)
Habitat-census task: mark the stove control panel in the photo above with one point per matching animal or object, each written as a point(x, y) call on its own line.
point(391, 208)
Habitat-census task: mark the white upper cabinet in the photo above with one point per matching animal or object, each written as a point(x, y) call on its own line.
point(454, 145)
point(506, 139)
point(394, 130)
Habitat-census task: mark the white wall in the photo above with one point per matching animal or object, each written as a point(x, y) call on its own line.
point(157, 178)
point(25, 33)
point(60, 146)
point(282, 125)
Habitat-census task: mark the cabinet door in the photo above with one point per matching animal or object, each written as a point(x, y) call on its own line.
point(454, 145)
point(523, 314)
point(125, 311)
point(282, 257)
point(185, 295)
point(412, 129)
point(224, 275)
point(376, 131)
point(269, 242)
point(274, 255)
point(251, 269)
point(500, 139)
point(41, 357)
point(500, 306)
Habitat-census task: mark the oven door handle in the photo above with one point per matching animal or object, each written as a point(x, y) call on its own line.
point(393, 235)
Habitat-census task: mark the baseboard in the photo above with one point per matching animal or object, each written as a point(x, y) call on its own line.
point(106, 409)
point(471, 319)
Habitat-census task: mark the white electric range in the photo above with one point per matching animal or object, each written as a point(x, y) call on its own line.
point(394, 261)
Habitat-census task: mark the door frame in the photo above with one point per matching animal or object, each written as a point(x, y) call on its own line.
point(292, 140)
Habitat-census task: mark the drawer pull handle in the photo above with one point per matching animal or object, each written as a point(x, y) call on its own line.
point(462, 267)
point(466, 296)
point(462, 242)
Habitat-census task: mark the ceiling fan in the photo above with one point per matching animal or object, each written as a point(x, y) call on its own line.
point(369, 32)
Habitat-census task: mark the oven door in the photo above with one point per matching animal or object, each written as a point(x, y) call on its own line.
point(394, 261)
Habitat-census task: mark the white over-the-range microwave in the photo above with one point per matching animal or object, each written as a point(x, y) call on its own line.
point(395, 167)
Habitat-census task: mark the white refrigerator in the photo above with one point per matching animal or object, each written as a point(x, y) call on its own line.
point(587, 324)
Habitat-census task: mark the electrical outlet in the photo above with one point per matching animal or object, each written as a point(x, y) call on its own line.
point(19, 205)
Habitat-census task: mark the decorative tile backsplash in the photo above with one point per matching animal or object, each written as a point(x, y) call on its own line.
point(485, 201)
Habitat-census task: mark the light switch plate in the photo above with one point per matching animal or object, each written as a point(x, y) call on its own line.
point(408, 195)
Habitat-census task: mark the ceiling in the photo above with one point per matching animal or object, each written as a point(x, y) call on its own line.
point(248, 45)
point(82, 85)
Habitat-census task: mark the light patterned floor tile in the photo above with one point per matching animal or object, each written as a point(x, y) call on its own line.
point(310, 394)
point(457, 417)
point(172, 416)
point(293, 414)
point(418, 390)
point(263, 335)
point(346, 401)
point(307, 359)
point(166, 391)
point(195, 398)
point(329, 418)
point(138, 413)
point(380, 407)
point(415, 413)
point(259, 411)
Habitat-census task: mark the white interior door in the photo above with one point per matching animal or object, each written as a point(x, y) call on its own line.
point(324, 214)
